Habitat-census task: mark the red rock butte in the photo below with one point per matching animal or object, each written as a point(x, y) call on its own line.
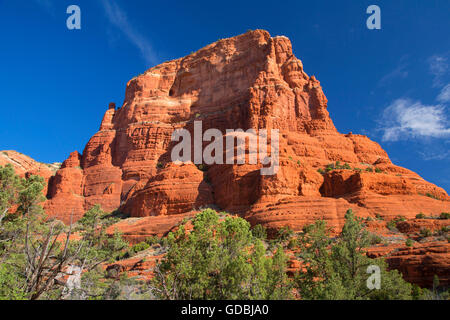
point(249, 81)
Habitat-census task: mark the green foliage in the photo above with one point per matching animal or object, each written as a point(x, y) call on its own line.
point(35, 250)
point(10, 187)
point(409, 242)
point(430, 195)
point(152, 240)
point(369, 169)
point(425, 232)
point(378, 170)
point(220, 259)
point(10, 283)
point(285, 233)
point(375, 239)
point(259, 232)
point(392, 225)
point(420, 216)
point(159, 165)
point(293, 243)
point(321, 171)
point(138, 247)
point(336, 269)
point(444, 215)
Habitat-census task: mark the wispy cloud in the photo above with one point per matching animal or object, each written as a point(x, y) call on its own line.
point(405, 119)
point(117, 17)
point(438, 67)
point(444, 96)
point(400, 72)
point(440, 155)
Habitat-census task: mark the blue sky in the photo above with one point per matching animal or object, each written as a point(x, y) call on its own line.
point(391, 84)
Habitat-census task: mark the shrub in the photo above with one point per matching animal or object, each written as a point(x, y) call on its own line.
point(430, 195)
point(375, 239)
point(259, 232)
point(409, 242)
point(347, 166)
point(369, 169)
point(378, 170)
point(285, 233)
point(138, 247)
point(443, 231)
point(321, 171)
point(219, 259)
point(444, 215)
point(337, 268)
point(420, 216)
point(159, 165)
point(152, 240)
point(293, 243)
point(392, 225)
point(425, 232)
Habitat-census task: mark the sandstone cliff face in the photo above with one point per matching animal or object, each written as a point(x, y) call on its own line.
point(249, 81)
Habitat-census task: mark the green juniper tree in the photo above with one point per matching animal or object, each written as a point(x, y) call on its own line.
point(337, 268)
point(220, 259)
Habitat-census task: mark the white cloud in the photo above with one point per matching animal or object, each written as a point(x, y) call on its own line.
point(119, 19)
point(444, 96)
point(438, 66)
point(405, 118)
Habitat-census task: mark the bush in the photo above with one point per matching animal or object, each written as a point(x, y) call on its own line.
point(293, 243)
point(259, 232)
point(444, 215)
point(337, 268)
point(138, 247)
point(425, 232)
point(443, 231)
point(378, 170)
point(159, 165)
point(420, 216)
point(369, 169)
point(375, 239)
point(430, 195)
point(152, 240)
point(321, 171)
point(285, 233)
point(392, 225)
point(219, 259)
point(409, 242)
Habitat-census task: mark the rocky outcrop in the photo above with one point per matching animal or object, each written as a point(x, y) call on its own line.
point(26, 166)
point(249, 81)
